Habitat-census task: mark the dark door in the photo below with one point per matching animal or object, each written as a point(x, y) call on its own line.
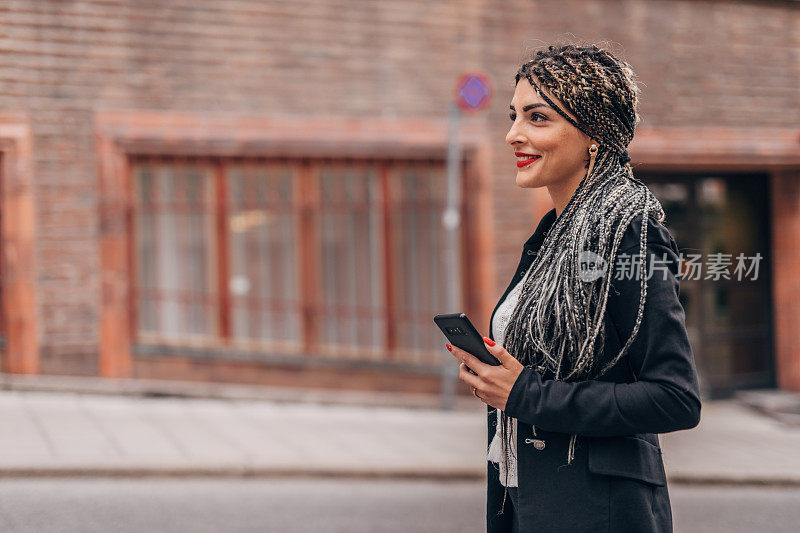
point(728, 320)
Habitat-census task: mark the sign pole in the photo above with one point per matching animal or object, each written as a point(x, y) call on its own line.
point(473, 92)
point(451, 220)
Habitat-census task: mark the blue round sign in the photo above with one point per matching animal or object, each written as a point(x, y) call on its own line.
point(473, 91)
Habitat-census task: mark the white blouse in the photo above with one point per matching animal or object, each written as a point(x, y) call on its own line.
point(499, 323)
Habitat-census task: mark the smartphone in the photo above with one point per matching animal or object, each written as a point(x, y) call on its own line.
point(460, 332)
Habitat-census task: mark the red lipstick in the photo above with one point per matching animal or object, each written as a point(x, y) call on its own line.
point(525, 162)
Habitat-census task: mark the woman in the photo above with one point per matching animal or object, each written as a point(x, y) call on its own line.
point(590, 332)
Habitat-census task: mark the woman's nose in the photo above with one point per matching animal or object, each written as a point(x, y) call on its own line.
point(513, 136)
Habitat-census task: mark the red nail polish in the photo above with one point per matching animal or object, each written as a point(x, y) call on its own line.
point(488, 341)
point(449, 348)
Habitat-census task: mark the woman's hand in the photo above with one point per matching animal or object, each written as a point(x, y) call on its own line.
point(492, 383)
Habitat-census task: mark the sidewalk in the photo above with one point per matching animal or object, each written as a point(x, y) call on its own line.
point(71, 434)
point(67, 433)
point(734, 444)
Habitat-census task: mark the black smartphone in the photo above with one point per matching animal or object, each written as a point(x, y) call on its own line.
point(460, 332)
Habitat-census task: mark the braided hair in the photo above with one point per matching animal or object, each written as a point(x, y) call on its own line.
point(557, 324)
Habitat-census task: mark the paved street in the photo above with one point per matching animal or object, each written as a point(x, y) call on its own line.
point(106, 463)
point(330, 505)
point(100, 462)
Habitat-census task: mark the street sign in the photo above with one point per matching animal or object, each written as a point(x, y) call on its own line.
point(473, 91)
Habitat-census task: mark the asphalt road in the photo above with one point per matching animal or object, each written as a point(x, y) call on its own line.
point(329, 505)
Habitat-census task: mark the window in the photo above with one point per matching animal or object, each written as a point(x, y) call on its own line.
point(289, 256)
point(176, 249)
point(418, 238)
point(352, 256)
point(262, 238)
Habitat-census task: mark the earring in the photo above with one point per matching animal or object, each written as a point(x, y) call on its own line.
point(592, 155)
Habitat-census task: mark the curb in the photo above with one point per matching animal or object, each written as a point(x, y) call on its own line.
point(344, 473)
point(732, 480)
point(244, 472)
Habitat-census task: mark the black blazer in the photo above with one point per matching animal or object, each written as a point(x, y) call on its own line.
point(616, 481)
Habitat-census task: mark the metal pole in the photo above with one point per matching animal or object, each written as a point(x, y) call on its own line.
point(451, 219)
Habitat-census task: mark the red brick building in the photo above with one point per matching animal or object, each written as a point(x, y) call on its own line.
point(252, 191)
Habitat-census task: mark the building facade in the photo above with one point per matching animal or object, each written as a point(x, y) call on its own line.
point(253, 191)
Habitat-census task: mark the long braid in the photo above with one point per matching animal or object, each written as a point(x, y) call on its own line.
point(557, 324)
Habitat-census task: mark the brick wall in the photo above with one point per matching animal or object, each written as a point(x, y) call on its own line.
point(733, 64)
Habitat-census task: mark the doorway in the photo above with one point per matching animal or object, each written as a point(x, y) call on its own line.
point(729, 321)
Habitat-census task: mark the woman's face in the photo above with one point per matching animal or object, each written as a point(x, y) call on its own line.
point(537, 129)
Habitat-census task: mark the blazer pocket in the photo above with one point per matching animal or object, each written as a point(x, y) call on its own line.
point(628, 457)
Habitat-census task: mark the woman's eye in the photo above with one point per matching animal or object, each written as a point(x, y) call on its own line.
point(535, 117)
